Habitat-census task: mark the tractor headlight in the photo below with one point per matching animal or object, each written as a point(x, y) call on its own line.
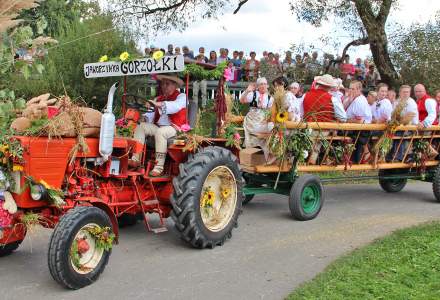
point(38, 192)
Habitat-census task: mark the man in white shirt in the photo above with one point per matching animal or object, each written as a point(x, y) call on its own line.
point(426, 106)
point(358, 109)
point(372, 98)
point(409, 114)
point(383, 110)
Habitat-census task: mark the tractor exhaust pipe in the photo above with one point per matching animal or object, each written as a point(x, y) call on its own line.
point(107, 132)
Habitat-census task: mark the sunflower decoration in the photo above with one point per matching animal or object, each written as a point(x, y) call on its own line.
point(208, 198)
point(103, 58)
point(157, 55)
point(124, 56)
point(282, 117)
point(226, 192)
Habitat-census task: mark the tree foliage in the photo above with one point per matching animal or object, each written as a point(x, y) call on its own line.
point(365, 19)
point(78, 45)
point(416, 54)
point(163, 15)
point(56, 16)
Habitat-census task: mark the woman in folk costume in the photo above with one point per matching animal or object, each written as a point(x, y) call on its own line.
point(170, 115)
point(257, 121)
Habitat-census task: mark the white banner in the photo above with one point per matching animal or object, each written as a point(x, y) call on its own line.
point(167, 64)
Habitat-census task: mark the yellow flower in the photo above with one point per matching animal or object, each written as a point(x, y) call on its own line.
point(158, 55)
point(282, 117)
point(4, 148)
point(17, 168)
point(226, 192)
point(103, 58)
point(45, 184)
point(208, 198)
point(124, 56)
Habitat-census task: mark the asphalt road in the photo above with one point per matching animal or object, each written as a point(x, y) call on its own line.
point(268, 256)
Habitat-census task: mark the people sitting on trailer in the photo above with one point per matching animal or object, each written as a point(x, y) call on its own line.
point(282, 83)
point(320, 106)
point(295, 110)
point(170, 114)
point(406, 113)
point(383, 109)
point(372, 98)
point(426, 106)
point(257, 122)
point(338, 90)
point(358, 111)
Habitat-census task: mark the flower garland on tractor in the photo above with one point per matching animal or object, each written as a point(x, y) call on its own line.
point(103, 238)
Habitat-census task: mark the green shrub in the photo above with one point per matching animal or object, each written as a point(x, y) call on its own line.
point(78, 45)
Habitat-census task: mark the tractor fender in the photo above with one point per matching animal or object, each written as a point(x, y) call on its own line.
point(97, 202)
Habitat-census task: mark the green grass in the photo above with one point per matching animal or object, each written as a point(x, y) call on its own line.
point(403, 265)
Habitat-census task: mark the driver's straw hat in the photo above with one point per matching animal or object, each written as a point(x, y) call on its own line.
point(173, 78)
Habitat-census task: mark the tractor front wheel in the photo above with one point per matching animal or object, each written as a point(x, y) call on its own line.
point(306, 197)
point(76, 254)
point(207, 197)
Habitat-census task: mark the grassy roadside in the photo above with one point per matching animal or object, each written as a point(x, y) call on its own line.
point(403, 265)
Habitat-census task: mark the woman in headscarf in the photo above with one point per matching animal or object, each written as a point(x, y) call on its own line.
point(257, 121)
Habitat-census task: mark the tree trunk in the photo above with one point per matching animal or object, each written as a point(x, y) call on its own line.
point(379, 50)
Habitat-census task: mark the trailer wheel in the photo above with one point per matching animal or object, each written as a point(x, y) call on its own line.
point(391, 185)
point(207, 197)
point(306, 197)
point(247, 199)
point(6, 249)
point(436, 183)
point(73, 266)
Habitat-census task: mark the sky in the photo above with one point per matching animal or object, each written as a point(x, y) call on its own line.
point(270, 25)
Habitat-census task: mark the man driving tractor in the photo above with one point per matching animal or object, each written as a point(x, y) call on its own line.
point(170, 115)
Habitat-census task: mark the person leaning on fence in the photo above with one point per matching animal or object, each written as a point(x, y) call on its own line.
point(200, 84)
point(257, 121)
point(170, 113)
point(320, 106)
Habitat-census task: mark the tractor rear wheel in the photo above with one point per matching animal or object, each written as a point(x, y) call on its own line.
point(75, 257)
point(6, 249)
point(207, 197)
point(306, 197)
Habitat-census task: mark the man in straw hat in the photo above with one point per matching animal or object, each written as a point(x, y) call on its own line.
point(170, 115)
point(320, 105)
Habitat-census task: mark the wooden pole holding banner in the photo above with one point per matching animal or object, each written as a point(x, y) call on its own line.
point(124, 97)
point(187, 97)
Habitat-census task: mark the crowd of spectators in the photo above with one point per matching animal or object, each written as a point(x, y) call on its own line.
point(301, 68)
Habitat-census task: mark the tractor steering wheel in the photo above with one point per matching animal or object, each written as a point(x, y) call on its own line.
point(135, 101)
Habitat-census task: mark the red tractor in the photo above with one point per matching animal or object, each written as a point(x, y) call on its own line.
point(201, 190)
